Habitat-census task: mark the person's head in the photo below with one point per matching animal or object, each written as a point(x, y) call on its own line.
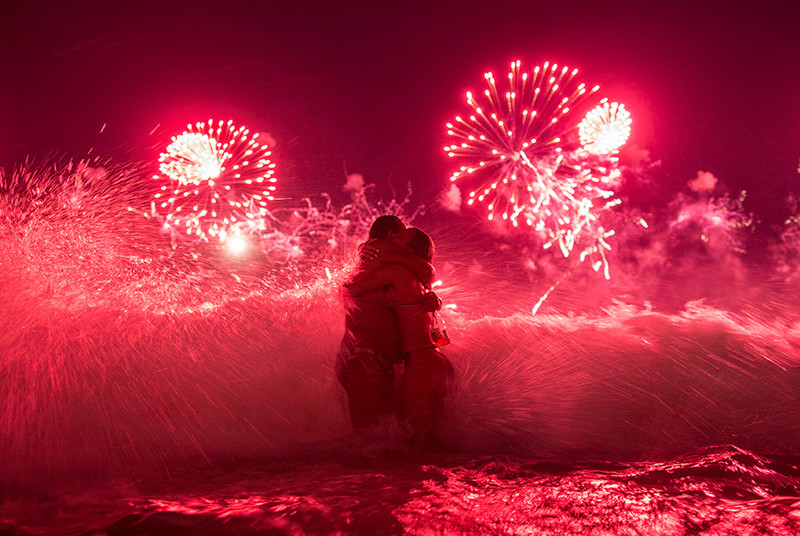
point(386, 226)
point(419, 243)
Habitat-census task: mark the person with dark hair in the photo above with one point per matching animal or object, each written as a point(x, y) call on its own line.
point(419, 243)
point(384, 226)
point(427, 370)
point(370, 347)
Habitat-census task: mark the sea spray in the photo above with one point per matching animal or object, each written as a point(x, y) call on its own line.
point(123, 352)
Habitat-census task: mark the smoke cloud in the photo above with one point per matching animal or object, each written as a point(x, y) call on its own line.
point(451, 199)
point(634, 156)
point(266, 138)
point(355, 183)
point(704, 182)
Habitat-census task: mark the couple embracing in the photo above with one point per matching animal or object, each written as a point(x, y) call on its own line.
point(389, 317)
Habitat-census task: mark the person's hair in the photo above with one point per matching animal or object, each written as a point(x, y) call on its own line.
point(383, 225)
point(421, 244)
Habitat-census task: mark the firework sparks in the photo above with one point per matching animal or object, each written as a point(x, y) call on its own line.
point(221, 179)
point(521, 149)
point(714, 222)
point(605, 128)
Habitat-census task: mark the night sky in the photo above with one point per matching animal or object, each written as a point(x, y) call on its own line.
point(367, 87)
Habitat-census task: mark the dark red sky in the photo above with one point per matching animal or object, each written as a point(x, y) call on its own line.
point(713, 86)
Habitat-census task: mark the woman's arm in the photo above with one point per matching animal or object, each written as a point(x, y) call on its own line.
point(387, 252)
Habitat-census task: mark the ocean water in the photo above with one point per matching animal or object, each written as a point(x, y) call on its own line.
point(157, 389)
point(721, 490)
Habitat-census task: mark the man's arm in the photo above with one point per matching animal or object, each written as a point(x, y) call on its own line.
point(368, 280)
point(389, 275)
point(387, 252)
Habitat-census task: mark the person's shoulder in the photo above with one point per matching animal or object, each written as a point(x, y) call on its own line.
point(398, 270)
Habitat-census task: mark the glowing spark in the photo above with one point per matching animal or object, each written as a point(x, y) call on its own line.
point(220, 179)
point(236, 244)
point(605, 128)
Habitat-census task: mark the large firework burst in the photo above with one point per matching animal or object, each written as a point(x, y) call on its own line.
point(520, 151)
point(220, 178)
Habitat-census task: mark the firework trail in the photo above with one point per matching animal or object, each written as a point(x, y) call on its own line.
point(220, 179)
point(521, 150)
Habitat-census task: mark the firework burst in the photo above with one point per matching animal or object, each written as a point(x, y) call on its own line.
point(605, 128)
point(521, 153)
point(220, 180)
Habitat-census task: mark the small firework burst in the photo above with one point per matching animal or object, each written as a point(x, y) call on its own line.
point(521, 150)
point(221, 179)
point(605, 128)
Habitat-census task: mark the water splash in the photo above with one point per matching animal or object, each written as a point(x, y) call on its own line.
point(121, 353)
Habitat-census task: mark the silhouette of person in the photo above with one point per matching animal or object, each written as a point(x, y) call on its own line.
point(427, 370)
point(371, 346)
